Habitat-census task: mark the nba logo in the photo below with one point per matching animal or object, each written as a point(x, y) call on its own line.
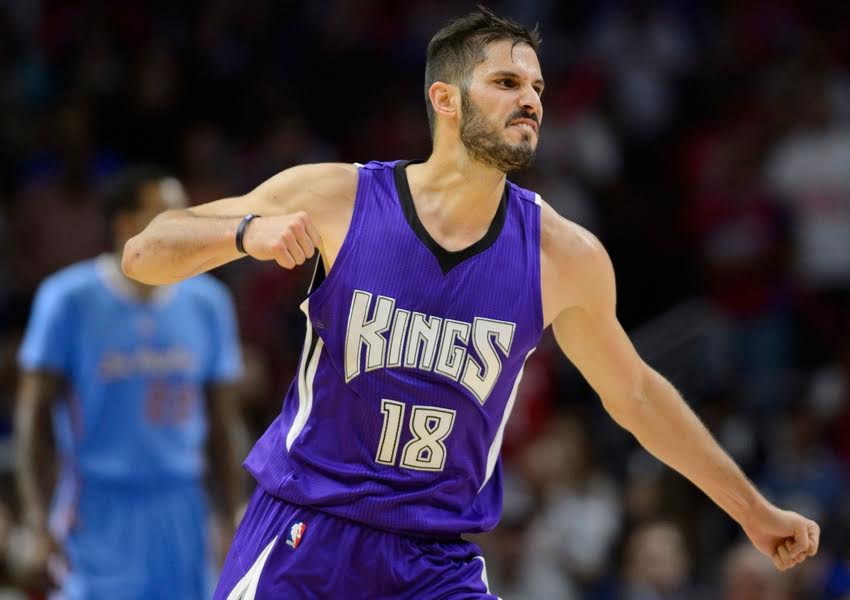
point(295, 533)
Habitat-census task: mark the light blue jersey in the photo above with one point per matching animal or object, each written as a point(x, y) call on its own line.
point(135, 411)
point(133, 418)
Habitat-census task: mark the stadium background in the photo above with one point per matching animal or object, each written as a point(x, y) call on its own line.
point(706, 143)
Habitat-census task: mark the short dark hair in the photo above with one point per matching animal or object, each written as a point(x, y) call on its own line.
point(122, 192)
point(457, 48)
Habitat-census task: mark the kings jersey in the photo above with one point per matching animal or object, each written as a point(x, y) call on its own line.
point(410, 368)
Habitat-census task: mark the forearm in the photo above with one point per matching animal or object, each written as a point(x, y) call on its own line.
point(666, 426)
point(579, 283)
point(225, 474)
point(224, 446)
point(33, 464)
point(178, 244)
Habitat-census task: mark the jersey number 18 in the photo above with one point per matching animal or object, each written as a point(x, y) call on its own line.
point(429, 427)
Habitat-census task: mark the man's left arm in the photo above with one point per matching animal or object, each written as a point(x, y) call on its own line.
point(647, 405)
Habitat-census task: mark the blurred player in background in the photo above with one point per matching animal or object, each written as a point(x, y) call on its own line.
point(435, 283)
point(139, 383)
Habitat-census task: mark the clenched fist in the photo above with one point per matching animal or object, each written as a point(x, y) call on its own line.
point(290, 240)
point(786, 537)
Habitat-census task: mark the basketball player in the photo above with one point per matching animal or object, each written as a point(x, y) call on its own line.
point(434, 284)
point(124, 367)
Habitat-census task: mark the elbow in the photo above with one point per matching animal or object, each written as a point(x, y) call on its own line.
point(630, 404)
point(623, 409)
point(133, 260)
point(130, 258)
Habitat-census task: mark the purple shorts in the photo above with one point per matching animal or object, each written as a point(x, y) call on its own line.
point(282, 550)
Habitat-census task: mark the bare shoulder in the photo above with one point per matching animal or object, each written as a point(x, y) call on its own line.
point(325, 192)
point(311, 187)
point(566, 243)
point(328, 178)
point(573, 262)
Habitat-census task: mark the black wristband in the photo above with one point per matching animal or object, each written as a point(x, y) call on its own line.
point(240, 232)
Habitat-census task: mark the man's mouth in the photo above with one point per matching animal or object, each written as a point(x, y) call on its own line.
point(526, 124)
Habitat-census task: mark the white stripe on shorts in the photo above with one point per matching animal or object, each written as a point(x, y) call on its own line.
point(484, 574)
point(246, 589)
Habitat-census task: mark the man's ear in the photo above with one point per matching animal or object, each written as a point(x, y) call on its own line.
point(445, 99)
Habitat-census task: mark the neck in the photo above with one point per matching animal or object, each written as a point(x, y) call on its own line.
point(453, 191)
point(141, 290)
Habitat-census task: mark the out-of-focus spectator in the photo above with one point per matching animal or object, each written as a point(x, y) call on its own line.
point(208, 164)
point(810, 171)
point(747, 575)
point(578, 520)
point(535, 404)
point(738, 232)
point(580, 139)
point(829, 398)
point(57, 198)
point(514, 570)
point(645, 48)
point(658, 564)
point(836, 585)
point(802, 471)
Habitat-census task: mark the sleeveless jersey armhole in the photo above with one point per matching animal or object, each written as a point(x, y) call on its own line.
point(322, 280)
point(536, 261)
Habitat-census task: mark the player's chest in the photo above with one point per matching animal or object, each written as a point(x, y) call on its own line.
point(122, 344)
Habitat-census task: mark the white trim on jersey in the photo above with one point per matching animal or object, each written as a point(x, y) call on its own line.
point(306, 375)
point(246, 589)
point(483, 573)
point(496, 446)
point(300, 420)
point(538, 200)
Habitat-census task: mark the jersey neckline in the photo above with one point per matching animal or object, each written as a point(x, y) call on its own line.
point(446, 258)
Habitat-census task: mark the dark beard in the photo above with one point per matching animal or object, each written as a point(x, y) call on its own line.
point(485, 145)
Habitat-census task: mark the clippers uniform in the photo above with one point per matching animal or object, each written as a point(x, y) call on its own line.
point(387, 447)
point(130, 508)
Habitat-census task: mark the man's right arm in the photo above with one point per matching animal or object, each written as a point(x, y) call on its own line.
point(302, 208)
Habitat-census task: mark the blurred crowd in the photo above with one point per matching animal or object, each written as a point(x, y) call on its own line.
point(706, 143)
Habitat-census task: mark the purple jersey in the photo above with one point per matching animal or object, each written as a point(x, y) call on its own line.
point(410, 368)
